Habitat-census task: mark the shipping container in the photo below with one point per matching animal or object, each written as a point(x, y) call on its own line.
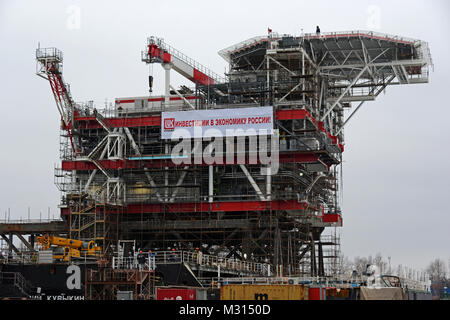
point(175, 294)
point(263, 292)
point(317, 293)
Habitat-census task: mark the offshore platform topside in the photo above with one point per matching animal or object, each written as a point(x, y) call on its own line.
point(124, 177)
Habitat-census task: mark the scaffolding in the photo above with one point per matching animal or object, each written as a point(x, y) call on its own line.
point(119, 181)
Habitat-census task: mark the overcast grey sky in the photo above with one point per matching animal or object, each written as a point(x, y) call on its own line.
point(396, 180)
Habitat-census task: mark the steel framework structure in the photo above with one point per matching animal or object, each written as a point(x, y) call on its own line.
point(121, 183)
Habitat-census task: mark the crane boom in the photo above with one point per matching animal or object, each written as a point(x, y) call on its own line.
point(49, 67)
point(158, 51)
point(72, 248)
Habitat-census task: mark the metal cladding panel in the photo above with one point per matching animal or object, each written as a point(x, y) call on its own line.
point(202, 78)
point(263, 292)
point(175, 294)
point(126, 104)
point(183, 68)
point(331, 218)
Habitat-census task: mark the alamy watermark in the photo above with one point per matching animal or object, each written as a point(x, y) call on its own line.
point(237, 146)
point(73, 21)
point(373, 21)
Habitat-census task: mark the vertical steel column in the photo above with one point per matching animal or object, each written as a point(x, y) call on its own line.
point(313, 256)
point(268, 80)
point(268, 183)
point(166, 177)
point(167, 67)
point(321, 270)
point(210, 183)
point(303, 74)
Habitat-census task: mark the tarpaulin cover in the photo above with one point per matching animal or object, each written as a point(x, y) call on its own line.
point(382, 293)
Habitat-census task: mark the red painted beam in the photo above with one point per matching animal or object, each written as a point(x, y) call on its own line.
point(158, 163)
point(333, 218)
point(293, 114)
point(201, 78)
point(231, 206)
point(149, 121)
point(92, 123)
point(155, 51)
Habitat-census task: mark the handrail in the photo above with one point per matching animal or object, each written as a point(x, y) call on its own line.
point(24, 221)
point(363, 33)
point(194, 258)
point(338, 281)
point(186, 59)
point(224, 53)
point(18, 281)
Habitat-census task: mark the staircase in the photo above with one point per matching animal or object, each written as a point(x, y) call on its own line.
point(14, 285)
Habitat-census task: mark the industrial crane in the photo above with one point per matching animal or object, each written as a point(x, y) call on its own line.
point(158, 51)
point(72, 248)
point(49, 67)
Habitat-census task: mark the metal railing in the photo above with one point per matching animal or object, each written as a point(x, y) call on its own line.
point(47, 53)
point(338, 281)
point(192, 258)
point(342, 282)
point(176, 53)
point(18, 281)
point(24, 221)
point(359, 33)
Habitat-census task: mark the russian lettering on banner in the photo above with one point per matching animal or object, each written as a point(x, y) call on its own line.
point(217, 123)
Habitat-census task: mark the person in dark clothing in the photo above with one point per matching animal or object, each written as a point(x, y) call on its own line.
point(141, 260)
point(317, 30)
point(173, 256)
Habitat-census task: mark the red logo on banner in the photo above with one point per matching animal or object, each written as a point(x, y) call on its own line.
point(169, 124)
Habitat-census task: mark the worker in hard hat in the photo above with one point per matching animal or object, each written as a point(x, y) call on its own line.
point(173, 256)
point(141, 260)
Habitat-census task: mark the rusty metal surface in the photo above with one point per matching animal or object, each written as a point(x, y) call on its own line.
point(35, 227)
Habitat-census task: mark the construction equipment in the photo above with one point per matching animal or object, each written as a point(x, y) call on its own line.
point(72, 248)
point(50, 65)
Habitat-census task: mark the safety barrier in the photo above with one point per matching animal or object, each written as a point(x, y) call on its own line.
point(192, 258)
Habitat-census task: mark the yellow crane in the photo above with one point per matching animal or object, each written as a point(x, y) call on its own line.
point(72, 248)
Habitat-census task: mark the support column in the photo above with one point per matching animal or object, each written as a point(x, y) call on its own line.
point(9, 241)
point(303, 78)
point(210, 183)
point(321, 270)
point(167, 67)
point(313, 257)
point(268, 183)
point(166, 176)
point(268, 80)
point(11, 244)
point(25, 242)
point(252, 182)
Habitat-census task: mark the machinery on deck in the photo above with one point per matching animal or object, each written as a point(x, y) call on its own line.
point(71, 248)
